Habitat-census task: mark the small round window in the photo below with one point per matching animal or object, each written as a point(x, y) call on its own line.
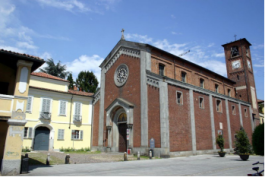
point(121, 75)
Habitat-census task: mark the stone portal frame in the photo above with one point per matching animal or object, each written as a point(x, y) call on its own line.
point(122, 106)
point(51, 137)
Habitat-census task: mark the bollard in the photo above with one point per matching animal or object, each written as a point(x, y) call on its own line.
point(150, 154)
point(138, 155)
point(48, 159)
point(125, 156)
point(67, 159)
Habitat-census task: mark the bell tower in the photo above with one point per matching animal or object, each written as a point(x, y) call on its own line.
point(239, 69)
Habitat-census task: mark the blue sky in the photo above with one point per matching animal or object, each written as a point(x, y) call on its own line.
point(81, 33)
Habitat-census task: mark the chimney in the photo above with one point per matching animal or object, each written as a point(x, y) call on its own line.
point(75, 88)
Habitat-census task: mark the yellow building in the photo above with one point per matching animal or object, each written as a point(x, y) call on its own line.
point(15, 69)
point(56, 117)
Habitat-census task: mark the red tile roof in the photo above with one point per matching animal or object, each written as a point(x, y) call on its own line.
point(41, 74)
point(76, 92)
point(73, 92)
point(260, 101)
point(21, 54)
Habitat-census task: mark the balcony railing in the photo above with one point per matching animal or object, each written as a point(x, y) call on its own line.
point(45, 115)
point(77, 118)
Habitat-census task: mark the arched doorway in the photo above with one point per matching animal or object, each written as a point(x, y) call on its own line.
point(122, 124)
point(41, 139)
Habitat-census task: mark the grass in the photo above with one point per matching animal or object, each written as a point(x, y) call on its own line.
point(83, 152)
point(40, 159)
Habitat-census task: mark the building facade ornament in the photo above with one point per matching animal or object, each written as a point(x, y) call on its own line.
point(121, 75)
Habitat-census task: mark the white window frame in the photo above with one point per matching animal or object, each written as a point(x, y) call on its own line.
point(28, 130)
point(59, 112)
point(58, 138)
point(32, 98)
point(185, 76)
point(201, 79)
point(181, 98)
point(42, 102)
point(80, 108)
point(216, 89)
point(79, 135)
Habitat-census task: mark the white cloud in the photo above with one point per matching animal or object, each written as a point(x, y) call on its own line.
point(13, 49)
point(218, 55)
point(210, 45)
point(70, 5)
point(139, 38)
point(259, 65)
point(85, 63)
point(26, 45)
point(174, 33)
point(258, 46)
point(45, 55)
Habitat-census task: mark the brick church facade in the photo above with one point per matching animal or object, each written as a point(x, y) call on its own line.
point(149, 93)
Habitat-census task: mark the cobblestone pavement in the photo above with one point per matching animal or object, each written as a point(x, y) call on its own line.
point(200, 165)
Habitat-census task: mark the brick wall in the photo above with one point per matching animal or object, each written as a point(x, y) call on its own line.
point(247, 122)
point(174, 66)
point(95, 123)
point(154, 116)
point(130, 91)
point(234, 120)
point(220, 117)
point(202, 122)
point(179, 120)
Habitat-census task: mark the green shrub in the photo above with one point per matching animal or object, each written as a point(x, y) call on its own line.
point(74, 150)
point(242, 145)
point(258, 140)
point(220, 142)
point(26, 149)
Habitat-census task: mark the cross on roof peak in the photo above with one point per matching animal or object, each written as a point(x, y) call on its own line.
point(122, 34)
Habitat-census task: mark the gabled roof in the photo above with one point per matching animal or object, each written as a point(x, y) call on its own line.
point(45, 75)
point(11, 57)
point(76, 92)
point(148, 47)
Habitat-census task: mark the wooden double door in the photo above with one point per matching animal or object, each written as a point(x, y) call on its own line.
point(122, 137)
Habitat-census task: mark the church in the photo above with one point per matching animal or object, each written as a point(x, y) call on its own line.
point(150, 98)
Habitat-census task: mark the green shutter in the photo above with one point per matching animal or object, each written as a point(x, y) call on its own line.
point(30, 133)
point(29, 104)
point(81, 134)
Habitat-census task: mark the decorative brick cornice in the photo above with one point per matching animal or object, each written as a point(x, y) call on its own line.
point(122, 51)
point(152, 81)
point(96, 96)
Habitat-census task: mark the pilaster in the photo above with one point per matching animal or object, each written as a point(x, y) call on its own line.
point(212, 121)
point(144, 103)
point(228, 125)
point(164, 118)
point(240, 114)
point(101, 108)
point(192, 121)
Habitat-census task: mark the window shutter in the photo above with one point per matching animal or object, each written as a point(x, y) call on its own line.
point(81, 134)
point(44, 102)
point(48, 105)
point(29, 104)
point(64, 108)
point(73, 134)
point(62, 134)
point(59, 134)
point(30, 133)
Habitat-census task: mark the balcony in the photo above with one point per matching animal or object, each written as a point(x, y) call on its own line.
point(45, 115)
point(6, 105)
point(77, 118)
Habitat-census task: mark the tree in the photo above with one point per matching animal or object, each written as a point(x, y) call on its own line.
point(87, 81)
point(57, 70)
point(258, 140)
point(242, 145)
point(220, 142)
point(71, 80)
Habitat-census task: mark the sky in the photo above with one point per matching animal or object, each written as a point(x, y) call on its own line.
point(81, 33)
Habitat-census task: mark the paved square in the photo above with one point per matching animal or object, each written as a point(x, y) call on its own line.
point(201, 165)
